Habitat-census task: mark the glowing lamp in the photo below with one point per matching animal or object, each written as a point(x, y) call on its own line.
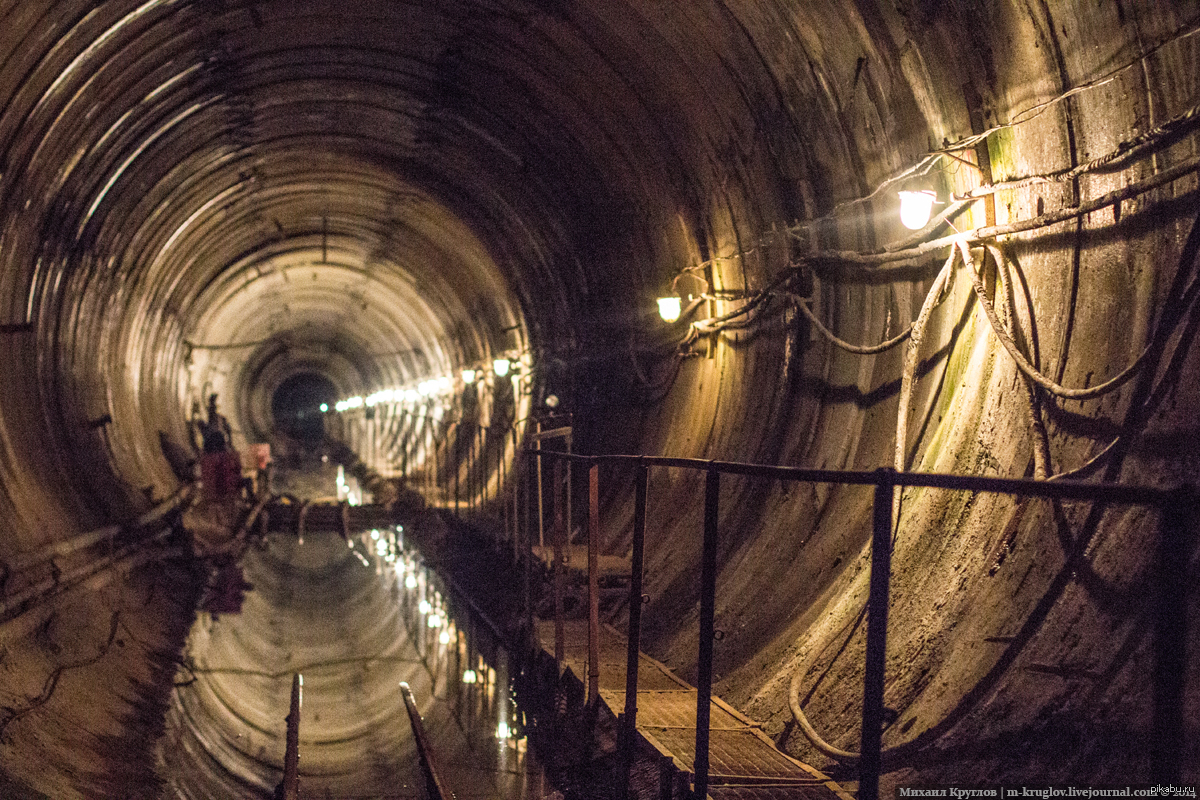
point(324, 408)
point(444, 638)
point(915, 208)
point(468, 376)
point(424, 606)
point(501, 366)
point(669, 308)
point(470, 677)
point(410, 582)
point(503, 731)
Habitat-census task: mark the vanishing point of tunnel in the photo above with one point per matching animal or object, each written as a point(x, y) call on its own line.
point(390, 235)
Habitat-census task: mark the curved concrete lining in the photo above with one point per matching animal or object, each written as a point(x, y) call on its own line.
point(385, 193)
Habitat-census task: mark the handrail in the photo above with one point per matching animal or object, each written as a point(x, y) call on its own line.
point(436, 787)
point(1175, 503)
point(1120, 493)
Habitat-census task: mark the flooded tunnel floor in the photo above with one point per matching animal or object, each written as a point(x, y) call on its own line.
point(355, 621)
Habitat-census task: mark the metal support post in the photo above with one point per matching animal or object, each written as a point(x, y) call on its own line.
point(291, 758)
point(436, 788)
point(877, 615)
point(560, 536)
point(629, 734)
point(708, 590)
point(541, 500)
point(593, 585)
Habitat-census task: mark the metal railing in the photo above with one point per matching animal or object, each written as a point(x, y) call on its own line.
point(1175, 507)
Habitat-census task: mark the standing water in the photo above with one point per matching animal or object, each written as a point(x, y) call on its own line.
point(355, 618)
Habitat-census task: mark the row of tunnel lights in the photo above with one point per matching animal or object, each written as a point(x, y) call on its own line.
point(432, 388)
point(389, 551)
point(916, 207)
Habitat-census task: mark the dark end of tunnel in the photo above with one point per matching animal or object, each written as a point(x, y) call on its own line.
point(296, 409)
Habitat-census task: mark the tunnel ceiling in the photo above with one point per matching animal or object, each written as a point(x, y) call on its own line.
point(204, 197)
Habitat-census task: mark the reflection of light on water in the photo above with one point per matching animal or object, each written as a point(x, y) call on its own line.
point(480, 695)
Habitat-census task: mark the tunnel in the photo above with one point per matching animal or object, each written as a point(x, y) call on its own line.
point(378, 231)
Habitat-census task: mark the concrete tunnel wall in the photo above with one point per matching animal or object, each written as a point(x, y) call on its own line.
point(346, 188)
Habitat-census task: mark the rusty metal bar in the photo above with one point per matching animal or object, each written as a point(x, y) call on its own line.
point(633, 651)
point(593, 585)
point(437, 789)
point(553, 433)
point(1170, 637)
point(876, 656)
point(708, 591)
point(541, 499)
point(560, 536)
point(291, 759)
point(527, 550)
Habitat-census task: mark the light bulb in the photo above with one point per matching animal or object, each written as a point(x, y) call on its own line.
point(669, 308)
point(434, 621)
point(503, 731)
point(915, 208)
point(445, 637)
point(501, 366)
point(470, 677)
point(410, 582)
point(424, 607)
point(324, 408)
point(468, 376)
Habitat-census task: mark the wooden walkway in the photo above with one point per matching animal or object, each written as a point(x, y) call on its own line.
point(743, 762)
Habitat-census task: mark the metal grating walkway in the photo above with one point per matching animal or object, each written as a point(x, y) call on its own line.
point(743, 762)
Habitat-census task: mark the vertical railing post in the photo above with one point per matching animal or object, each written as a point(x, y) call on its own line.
point(869, 764)
point(291, 759)
point(633, 651)
point(527, 567)
point(1170, 637)
point(515, 479)
point(541, 499)
point(708, 590)
point(560, 536)
point(593, 584)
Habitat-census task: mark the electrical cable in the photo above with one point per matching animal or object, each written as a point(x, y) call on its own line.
point(1033, 405)
point(862, 350)
point(1147, 143)
point(1023, 364)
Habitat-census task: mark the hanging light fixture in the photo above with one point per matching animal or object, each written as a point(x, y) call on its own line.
point(468, 376)
point(669, 308)
point(501, 366)
point(916, 208)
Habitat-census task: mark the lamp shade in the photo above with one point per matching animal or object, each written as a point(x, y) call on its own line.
point(669, 308)
point(916, 208)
